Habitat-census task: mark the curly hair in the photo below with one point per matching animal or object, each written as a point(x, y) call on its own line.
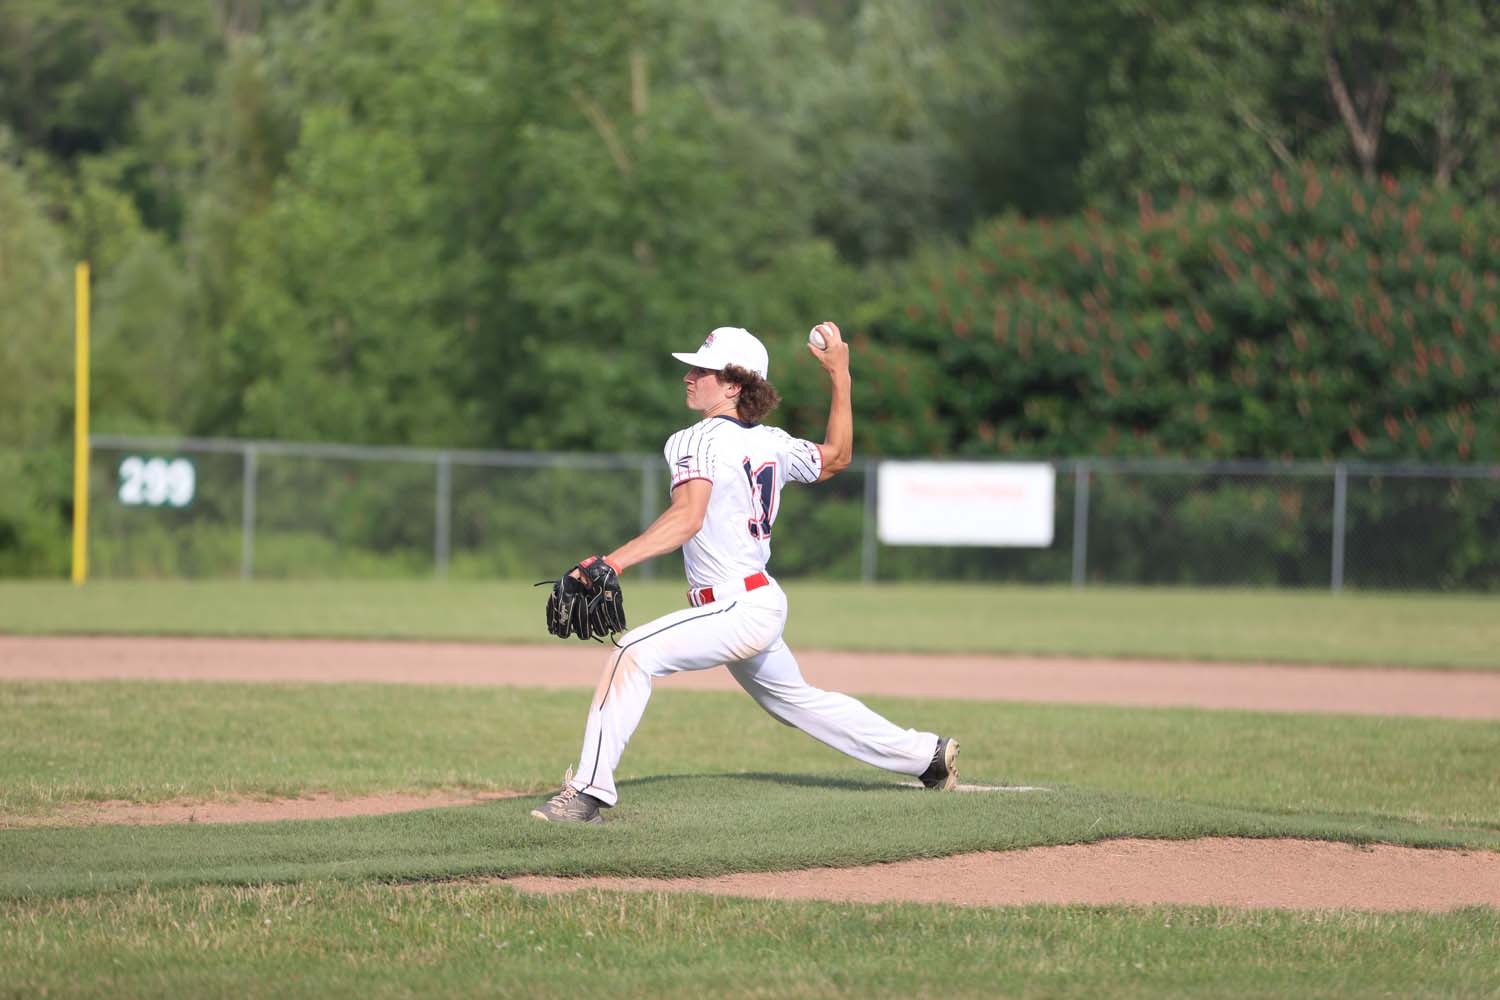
point(757, 396)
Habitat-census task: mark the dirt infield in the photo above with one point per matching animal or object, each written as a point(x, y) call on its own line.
point(1220, 871)
point(1362, 691)
point(1226, 872)
point(121, 812)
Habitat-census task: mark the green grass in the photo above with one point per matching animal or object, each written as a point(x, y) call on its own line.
point(326, 908)
point(374, 941)
point(1236, 625)
point(66, 743)
point(670, 826)
point(692, 801)
point(329, 908)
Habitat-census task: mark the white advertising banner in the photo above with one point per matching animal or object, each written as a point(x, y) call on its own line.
point(966, 503)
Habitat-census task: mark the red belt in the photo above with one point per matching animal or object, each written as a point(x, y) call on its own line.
point(705, 595)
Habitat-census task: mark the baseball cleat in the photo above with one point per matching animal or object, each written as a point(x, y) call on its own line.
point(942, 774)
point(570, 805)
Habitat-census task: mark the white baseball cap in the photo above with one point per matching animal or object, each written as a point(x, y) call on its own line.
point(729, 345)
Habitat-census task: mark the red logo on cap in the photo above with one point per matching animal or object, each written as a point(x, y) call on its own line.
point(709, 341)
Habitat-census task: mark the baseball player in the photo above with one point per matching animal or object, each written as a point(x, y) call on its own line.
point(727, 474)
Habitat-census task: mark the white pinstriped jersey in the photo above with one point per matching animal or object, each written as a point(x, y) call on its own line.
point(748, 465)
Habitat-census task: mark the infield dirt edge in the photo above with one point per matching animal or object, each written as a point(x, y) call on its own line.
point(1142, 683)
point(1233, 872)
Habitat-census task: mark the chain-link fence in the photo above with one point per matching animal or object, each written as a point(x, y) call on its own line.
point(207, 508)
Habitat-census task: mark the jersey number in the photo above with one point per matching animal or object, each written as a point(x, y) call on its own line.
point(762, 497)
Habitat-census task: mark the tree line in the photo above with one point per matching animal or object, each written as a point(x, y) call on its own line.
point(1109, 226)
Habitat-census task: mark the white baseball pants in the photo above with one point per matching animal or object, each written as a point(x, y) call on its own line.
point(743, 633)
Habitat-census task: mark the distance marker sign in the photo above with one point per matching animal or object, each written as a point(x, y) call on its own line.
point(156, 482)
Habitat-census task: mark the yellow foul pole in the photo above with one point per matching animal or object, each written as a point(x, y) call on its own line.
point(81, 424)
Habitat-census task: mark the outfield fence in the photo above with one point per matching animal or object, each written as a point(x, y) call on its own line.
point(199, 508)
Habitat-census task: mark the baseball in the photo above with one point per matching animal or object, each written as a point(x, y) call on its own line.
point(815, 338)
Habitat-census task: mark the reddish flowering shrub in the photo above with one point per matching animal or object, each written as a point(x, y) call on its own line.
point(1316, 317)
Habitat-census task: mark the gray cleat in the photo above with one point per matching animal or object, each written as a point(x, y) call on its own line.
point(570, 805)
point(942, 774)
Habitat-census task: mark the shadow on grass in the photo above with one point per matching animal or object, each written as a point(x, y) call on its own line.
point(768, 777)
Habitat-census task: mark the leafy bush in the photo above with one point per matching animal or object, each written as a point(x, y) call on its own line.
point(1315, 317)
point(1201, 529)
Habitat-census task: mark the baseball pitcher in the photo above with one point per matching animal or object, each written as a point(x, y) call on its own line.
point(728, 470)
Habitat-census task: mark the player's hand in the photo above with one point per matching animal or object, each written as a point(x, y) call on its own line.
point(834, 355)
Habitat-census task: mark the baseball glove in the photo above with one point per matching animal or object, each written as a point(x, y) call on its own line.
point(590, 608)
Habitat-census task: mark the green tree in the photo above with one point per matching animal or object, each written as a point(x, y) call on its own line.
point(336, 332)
point(36, 353)
point(663, 205)
point(119, 82)
point(1211, 95)
point(148, 352)
point(1446, 104)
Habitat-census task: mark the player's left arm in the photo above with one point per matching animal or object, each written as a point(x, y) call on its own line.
point(837, 449)
point(679, 522)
